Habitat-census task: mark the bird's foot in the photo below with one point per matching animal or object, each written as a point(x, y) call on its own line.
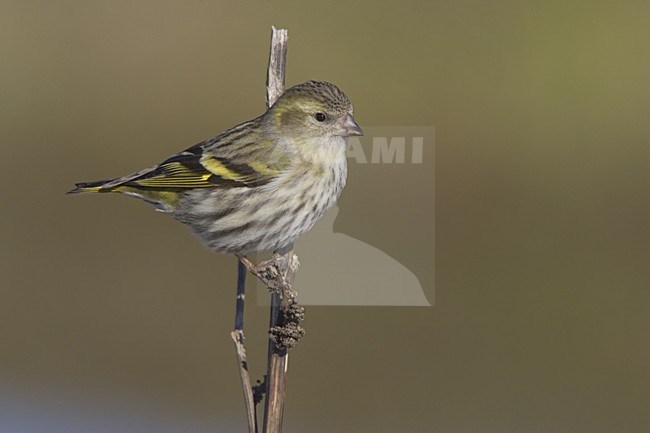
point(276, 273)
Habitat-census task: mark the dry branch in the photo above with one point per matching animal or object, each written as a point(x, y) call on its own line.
point(238, 337)
point(278, 275)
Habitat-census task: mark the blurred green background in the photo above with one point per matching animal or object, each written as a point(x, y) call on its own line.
point(541, 114)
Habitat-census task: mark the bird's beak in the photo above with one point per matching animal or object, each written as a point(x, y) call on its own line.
point(349, 127)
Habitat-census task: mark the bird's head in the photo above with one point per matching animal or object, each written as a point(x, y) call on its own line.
point(314, 109)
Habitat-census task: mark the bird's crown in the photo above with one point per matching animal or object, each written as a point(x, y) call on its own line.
point(316, 94)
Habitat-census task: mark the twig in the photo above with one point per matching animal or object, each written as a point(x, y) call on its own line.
point(238, 337)
point(278, 275)
point(277, 65)
point(277, 357)
point(284, 333)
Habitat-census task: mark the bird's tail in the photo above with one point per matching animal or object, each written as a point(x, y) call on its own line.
point(162, 200)
point(90, 187)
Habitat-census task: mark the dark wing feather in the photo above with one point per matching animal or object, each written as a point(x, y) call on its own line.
point(236, 158)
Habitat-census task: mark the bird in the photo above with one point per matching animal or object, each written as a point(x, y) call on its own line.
point(260, 185)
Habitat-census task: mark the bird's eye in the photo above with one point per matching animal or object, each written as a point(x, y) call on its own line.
point(320, 117)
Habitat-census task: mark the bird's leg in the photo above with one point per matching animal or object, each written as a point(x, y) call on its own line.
point(277, 273)
point(267, 271)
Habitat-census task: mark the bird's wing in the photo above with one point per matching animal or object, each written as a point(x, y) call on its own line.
point(225, 161)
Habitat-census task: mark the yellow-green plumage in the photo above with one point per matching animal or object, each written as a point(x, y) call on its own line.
point(259, 185)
